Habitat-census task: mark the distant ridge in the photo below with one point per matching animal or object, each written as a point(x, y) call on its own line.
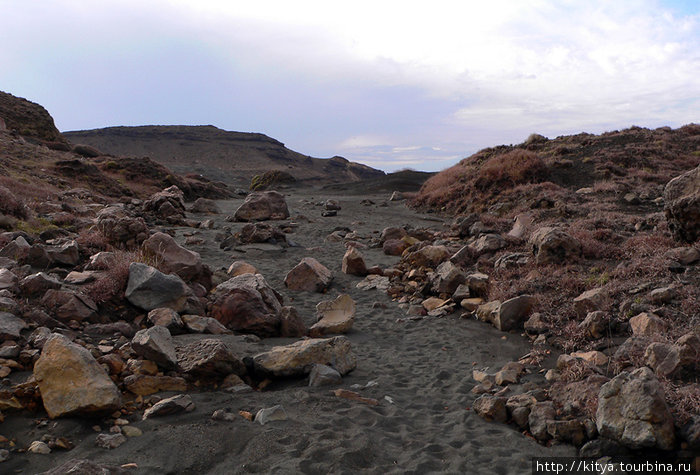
point(234, 157)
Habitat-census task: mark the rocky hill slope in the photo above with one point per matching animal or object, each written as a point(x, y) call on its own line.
point(29, 119)
point(233, 157)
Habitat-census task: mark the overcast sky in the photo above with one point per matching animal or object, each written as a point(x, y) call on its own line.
point(390, 84)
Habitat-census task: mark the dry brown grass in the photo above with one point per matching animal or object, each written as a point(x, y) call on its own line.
point(112, 284)
point(683, 399)
point(511, 168)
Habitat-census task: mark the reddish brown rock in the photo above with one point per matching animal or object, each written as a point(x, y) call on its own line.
point(248, 304)
point(394, 247)
point(261, 206)
point(175, 259)
point(354, 263)
point(66, 305)
point(239, 268)
point(309, 275)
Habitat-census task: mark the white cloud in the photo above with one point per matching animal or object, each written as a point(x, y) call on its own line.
point(322, 76)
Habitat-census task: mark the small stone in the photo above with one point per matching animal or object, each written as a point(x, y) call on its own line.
point(39, 447)
point(171, 405)
point(131, 431)
point(324, 375)
point(223, 415)
point(109, 441)
point(270, 414)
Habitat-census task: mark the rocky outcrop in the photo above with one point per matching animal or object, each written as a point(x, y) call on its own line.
point(167, 205)
point(682, 206)
point(261, 206)
point(29, 119)
point(72, 382)
point(121, 228)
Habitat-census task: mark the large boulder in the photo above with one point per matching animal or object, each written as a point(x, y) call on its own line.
point(246, 303)
point(120, 227)
point(682, 205)
point(553, 245)
point(309, 275)
point(175, 259)
point(261, 206)
point(299, 358)
point(209, 358)
point(148, 289)
point(72, 382)
point(334, 316)
point(633, 412)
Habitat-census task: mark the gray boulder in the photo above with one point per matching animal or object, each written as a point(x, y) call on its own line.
point(632, 411)
point(148, 289)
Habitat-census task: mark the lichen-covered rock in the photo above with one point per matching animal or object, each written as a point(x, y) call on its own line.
point(72, 382)
point(632, 411)
point(682, 206)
